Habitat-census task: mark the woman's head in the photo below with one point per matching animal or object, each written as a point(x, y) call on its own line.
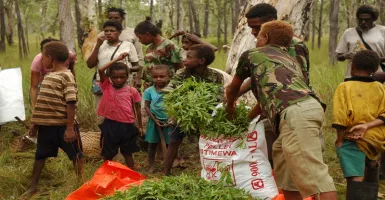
point(160, 75)
point(199, 55)
point(118, 73)
point(112, 30)
point(366, 16)
point(116, 14)
point(146, 31)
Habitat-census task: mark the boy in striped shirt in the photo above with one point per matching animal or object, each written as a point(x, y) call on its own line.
point(54, 114)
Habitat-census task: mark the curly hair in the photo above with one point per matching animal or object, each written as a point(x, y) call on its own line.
point(280, 33)
point(113, 23)
point(368, 9)
point(45, 41)
point(262, 10)
point(204, 51)
point(147, 26)
point(162, 67)
point(57, 50)
point(121, 12)
point(366, 60)
point(118, 66)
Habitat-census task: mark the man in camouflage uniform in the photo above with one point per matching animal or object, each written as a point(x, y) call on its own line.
point(196, 62)
point(293, 110)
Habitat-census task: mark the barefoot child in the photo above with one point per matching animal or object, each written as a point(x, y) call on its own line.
point(197, 60)
point(358, 116)
point(154, 107)
point(54, 114)
point(120, 105)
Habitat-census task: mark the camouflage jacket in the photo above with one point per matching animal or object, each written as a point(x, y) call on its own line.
point(276, 79)
point(299, 51)
point(167, 53)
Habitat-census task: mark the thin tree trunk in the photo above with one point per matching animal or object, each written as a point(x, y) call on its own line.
point(54, 24)
point(333, 32)
point(195, 16)
point(313, 21)
point(20, 32)
point(190, 18)
point(206, 19)
point(225, 20)
point(26, 17)
point(233, 17)
point(152, 9)
point(100, 13)
point(2, 26)
point(219, 24)
point(320, 24)
point(178, 17)
point(10, 22)
point(66, 24)
point(44, 6)
point(79, 29)
point(381, 4)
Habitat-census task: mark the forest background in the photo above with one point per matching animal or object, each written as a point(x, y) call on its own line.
point(24, 23)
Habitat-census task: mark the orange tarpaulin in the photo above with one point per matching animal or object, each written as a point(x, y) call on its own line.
point(111, 176)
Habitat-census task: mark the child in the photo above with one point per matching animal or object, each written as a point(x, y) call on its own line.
point(120, 106)
point(358, 116)
point(154, 107)
point(190, 39)
point(197, 60)
point(54, 114)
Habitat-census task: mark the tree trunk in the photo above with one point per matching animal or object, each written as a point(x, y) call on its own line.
point(234, 17)
point(79, 29)
point(26, 28)
point(190, 18)
point(66, 24)
point(195, 16)
point(20, 32)
point(152, 9)
point(2, 26)
point(100, 12)
point(225, 21)
point(295, 11)
point(333, 33)
point(44, 6)
point(10, 22)
point(54, 24)
point(206, 19)
point(178, 17)
point(219, 16)
point(313, 21)
point(320, 25)
point(381, 4)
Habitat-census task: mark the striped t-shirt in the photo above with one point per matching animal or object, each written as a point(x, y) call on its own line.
point(57, 89)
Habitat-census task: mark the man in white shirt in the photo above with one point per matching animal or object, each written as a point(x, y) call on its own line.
point(374, 35)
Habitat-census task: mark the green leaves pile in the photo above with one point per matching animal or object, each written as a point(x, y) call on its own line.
point(191, 105)
point(191, 102)
point(220, 126)
point(183, 187)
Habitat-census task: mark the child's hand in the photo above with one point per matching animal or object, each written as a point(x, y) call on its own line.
point(357, 131)
point(69, 135)
point(158, 123)
point(122, 56)
point(32, 130)
point(339, 143)
point(141, 132)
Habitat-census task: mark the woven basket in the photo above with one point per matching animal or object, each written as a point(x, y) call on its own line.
point(91, 144)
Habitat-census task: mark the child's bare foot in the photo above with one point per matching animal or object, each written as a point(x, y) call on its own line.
point(28, 194)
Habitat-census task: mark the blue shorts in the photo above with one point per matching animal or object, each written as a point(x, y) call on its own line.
point(352, 159)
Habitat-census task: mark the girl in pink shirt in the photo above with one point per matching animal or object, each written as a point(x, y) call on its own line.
point(120, 106)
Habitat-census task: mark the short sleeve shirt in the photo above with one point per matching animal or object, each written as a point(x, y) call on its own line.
point(117, 104)
point(277, 80)
point(156, 102)
point(350, 42)
point(37, 64)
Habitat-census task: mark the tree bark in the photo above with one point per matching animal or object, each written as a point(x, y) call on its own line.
point(100, 13)
point(206, 19)
point(20, 32)
point(320, 24)
point(190, 18)
point(152, 9)
point(2, 26)
point(178, 17)
point(44, 6)
point(225, 21)
point(234, 17)
point(333, 32)
point(66, 24)
point(26, 14)
point(313, 23)
point(296, 12)
point(219, 16)
point(10, 22)
point(79, 29)
point(195, 16)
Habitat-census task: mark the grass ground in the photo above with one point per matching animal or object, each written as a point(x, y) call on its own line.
point(58, 178)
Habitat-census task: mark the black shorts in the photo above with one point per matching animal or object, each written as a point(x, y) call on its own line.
point(50, 138)
point(177, 134)
point(117, 135)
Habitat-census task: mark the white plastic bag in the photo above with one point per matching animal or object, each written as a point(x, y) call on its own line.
point(243, 160)
point(11, 95)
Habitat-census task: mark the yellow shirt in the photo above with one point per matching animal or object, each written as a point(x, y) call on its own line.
point(360, 100)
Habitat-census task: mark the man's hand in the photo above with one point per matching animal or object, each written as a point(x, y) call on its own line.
point(100, 40)
point(357, 131)
point(230, 110)
point(69, 135)
point(32, 130)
